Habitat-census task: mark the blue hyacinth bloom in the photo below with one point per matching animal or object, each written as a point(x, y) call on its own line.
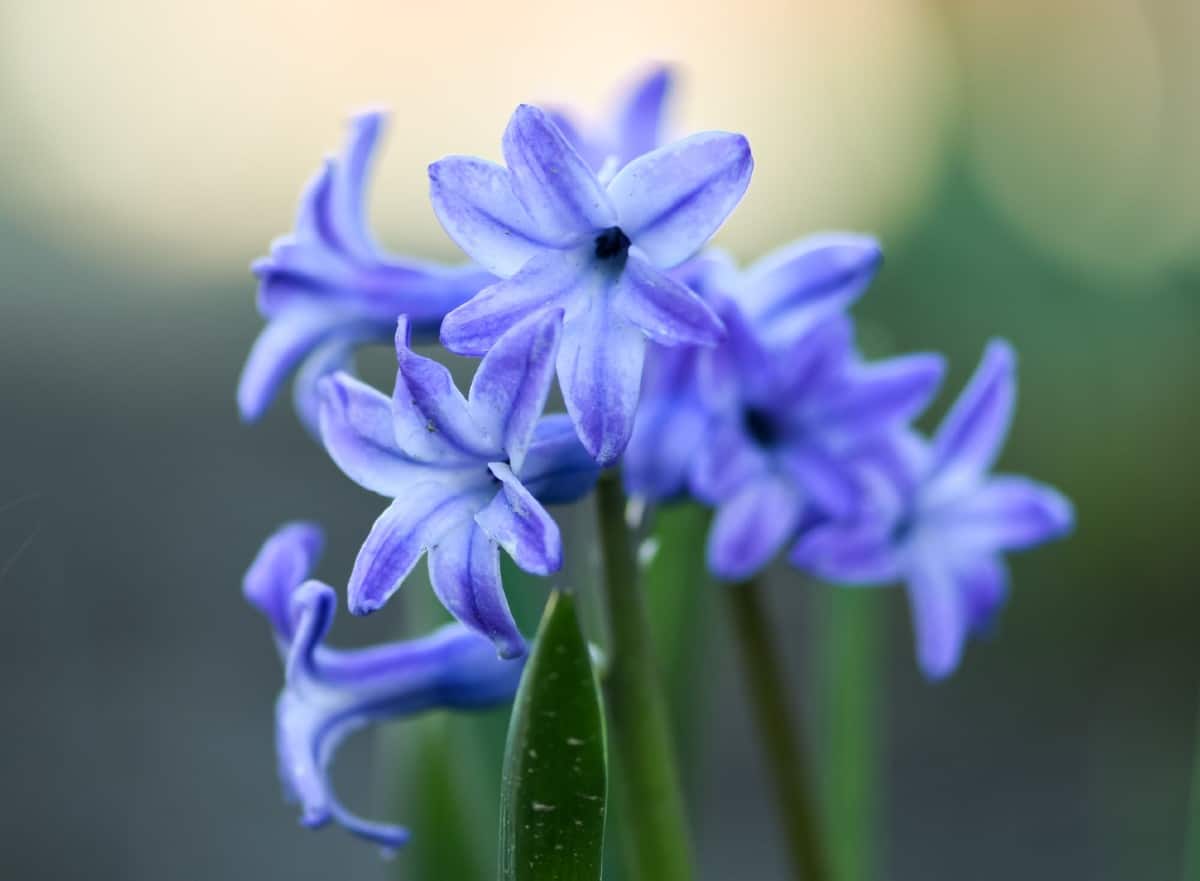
point(327, 288)
point(562, 240)
point(939, 521)
point(467, 475)
point(329, 694)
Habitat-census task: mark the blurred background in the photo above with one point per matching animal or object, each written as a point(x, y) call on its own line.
point(1032, 171)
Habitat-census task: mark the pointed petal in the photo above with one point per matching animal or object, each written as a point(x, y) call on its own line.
point(939, 617)
point(357, 431)
point(641, 116)
point(286, 340)
point(973, 432)
point(826, 479)
point(510, 387)
point(849, 553)
point(557, 469)
point(346, 219)
point(335, 355)
point(751, 527)
point(670, 427)
point(876, 397)
point(475, 203)
point(667, 311)
point(600, 373)
point(403, 532)
point(672, 200)
point(464, 568)
point(285, 560)
point(550, 281)
point(1011, 513)
point(518, 522)
point(551, 179)
point(985, 591)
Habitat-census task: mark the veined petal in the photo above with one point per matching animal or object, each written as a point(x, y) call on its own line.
point(519, 524)
point(432, 420)
point(510, 387)
point(600, 373)
point(973, 432)
point(672, 200)
point(285, 560)
point(464, 568)
point(875, 397)
point(357, 431)
point(667, 311)
point(553, 280)
point(551, 179)
point(854, 553)
point(476, 205)
point(419, 518)
point(639, 121)
point(557, 469)
point(287, 339)
point(939, 616)
point(751, 527)
point(1010, 513)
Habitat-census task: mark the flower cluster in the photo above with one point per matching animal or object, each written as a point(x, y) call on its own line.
point(740, 388)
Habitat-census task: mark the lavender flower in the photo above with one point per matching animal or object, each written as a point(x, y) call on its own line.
point(939, 520)
point(327, 288)
point(329, 694)
point(633, 129)
point(466, 475)
point(562, 241)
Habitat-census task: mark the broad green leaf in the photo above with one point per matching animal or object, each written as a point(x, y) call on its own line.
point(555, 787)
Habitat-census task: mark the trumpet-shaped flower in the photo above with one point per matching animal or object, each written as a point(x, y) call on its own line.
point(941, 522)
point(329, 694)
point(467, 475)
point(327, 288)
point(561, 240)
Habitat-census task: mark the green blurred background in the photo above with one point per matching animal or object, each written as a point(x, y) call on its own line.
point(1032, 171)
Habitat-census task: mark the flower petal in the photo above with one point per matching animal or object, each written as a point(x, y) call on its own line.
point(464, 568)
point(973, 432)
point(600, 373)
point(549, 281)
point(557, 469)
point(1011, 513)
point(639, 122)
point(403, 532)
point(335, 355)
point(287, 339)
point(518, 522)
point(726, 461)
point(985, 591)
point(670, 427)
point(475, 203)
point(341, 216)
point(852, 553)
point(357, 431)
point(876, 397)
point(939, 616)
point(667, 311)
point(510, 387)
point(750, 528)
point(551, 179)
point(827, 480)
point(672, 200)
point(285, 560)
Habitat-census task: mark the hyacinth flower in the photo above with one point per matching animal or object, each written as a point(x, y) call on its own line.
point(327, 288)
point(467, 475)
point(329, 694)
point(941, 522)
point(635, 127)
point(561, 240)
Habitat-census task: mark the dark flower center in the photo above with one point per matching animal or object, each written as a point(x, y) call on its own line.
point(612, 244)
point(761, 427)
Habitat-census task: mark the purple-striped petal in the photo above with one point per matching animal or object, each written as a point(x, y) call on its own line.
point(419, 518)
point(285, 560)
point(854, 553)
point(510, 387)
point(1010, 513)
point(476, 205)
point(600, 372)
point(518, 522)
point(751, 527)
point(667, 311)
point(640, 119)
point(939, 616)
point(551, 179)
point(672, 200)
point(554, 280)
point(464, 568)
point(287, 340)
point(557, 469)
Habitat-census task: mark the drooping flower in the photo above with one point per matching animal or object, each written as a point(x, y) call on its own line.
point(467, 476)
point(329, 694)
point(561, 240)
point(328, 288)
point(764, 426)
point(940, 521)
point(635, 126)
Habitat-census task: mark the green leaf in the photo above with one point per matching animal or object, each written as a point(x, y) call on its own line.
point(555, 786)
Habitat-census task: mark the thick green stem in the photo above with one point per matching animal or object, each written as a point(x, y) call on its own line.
point(780, 735)
point(1191, 846)
point(651, 803)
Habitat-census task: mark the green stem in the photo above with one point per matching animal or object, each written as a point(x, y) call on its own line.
point(780, 735)
point(1191, 846)
point(651, 805)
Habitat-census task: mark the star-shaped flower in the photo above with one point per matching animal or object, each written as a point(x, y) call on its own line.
point(467, 476)
point(327, 288)
point(563, 241)
point(941, 522)
point(329, 694)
